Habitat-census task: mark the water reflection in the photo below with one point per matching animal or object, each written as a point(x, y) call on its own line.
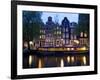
point(33, 61)
point(84, 60)
point(68, 59)
point(30, 60)
point(62, 62)
point(72, 59)
point(40, 63)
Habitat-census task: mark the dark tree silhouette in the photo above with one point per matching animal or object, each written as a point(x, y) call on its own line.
point(83, 24)
point(31, 25)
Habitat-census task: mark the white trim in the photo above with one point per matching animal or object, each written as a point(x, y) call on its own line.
point(22, 71)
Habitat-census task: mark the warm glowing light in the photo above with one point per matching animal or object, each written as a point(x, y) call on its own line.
point(56, 49)
point(56, 59)
point(26, 44)
point(31, 43)
point(43, 36)
point(82, 48)
point(85, 35)
point(72, 49)
point(76, 41)
point(72, 59)
point(81, 34)
point(84, 60)
point(59, 32)
point(40, 36)
point(30, 60)
point(68, 59)
point(68, 49)
point(62, 63)
point(40, 63)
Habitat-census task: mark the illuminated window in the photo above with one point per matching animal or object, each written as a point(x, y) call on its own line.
point(44, 31)
point(58, 32)
point(57, 27)
point(43, 36)
point(85, 35)
point(81, 34)
point(40, 37)
point(40, 31)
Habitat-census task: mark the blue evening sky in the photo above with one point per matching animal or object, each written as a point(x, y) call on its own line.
point(72, 17)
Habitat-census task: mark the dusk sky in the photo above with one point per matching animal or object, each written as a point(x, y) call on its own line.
point(72, 17)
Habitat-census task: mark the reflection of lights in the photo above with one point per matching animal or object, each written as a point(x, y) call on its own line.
point(68, 59)
point(40, 63)
point(56, 59)
point(30, 60)
point(72, 59)
point(76, 41)
point(62, 63)
point(84, 60)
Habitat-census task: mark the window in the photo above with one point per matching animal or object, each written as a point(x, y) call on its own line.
point(85, 35)
point(66, 29)
point(67, 41)
point(67, 35)
point(72, 30)
point(63, 35)
point(81, 34)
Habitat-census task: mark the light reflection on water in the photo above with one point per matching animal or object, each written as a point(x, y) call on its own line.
point(62, 62)
point(30, 60)
point(68, 59)
point(41, 62)
point(84, 60)
point(72, 59)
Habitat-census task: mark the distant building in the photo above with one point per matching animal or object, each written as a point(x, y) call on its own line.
point(65, 26)
point(84, 40)
point(55, 35)
point(47, 36)
point(73, 36)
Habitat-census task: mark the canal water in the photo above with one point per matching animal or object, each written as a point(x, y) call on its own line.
point(34, 61)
